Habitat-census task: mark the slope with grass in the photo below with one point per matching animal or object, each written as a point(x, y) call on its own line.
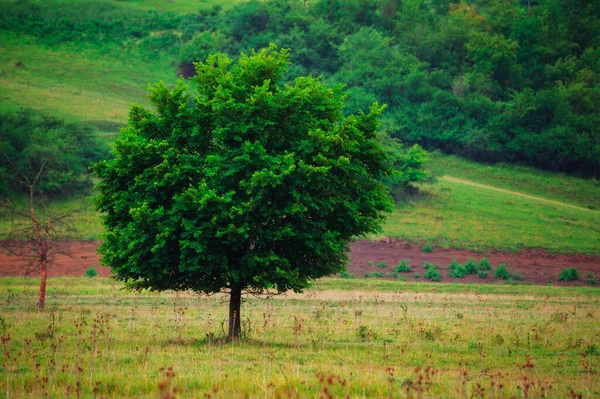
point(74, 85)
point(482, 207)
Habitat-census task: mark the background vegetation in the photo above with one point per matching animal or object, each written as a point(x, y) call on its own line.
point(492, 80)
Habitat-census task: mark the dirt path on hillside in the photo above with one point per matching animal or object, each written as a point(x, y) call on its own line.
point(515, 193)
point(538, 267)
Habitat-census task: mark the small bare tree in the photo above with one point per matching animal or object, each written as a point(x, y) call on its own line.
point(38, 235)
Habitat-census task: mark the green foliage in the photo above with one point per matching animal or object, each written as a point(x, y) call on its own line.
point(493, 81)
point(482, 274)
point(46, 150)
point(456, 269)
point(91, 272)
point(347, 274)
point(382, 265)
point(403, 267)
point(569, 274)
point(484, 265)
point(470, 266)
point(432, 274)
point(253, 185)
point(502, 272)
point(374, 275)
point(427, 248)
point(408, 165)
point(428, 266)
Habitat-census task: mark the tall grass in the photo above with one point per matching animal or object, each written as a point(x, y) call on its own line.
point(98, 341)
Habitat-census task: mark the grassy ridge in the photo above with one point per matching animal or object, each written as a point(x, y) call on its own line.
point(569, 189)
point(359, 341)
point(177, 6)
point(74, 85)
point(460, 215)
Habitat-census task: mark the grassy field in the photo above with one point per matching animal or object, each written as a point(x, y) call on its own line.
point(454, 212)
point(365, 339)
point(74, 85)
point(560, 187)
point(174, 6)
point(177, 6)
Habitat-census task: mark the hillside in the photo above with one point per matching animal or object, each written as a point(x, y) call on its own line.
point(92, 68)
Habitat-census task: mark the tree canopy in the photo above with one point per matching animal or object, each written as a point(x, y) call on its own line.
point(246, 185)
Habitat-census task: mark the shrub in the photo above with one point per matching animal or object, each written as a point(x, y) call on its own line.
point(402, 267)
point(569, 274)
point(517, 275)
point(91, 272)
point(484, 265)
point(346, 274)
point(592, 281)
point(502, 272)
point(427, 248)
point(382, 265)
point(428, 266)
point(432, 274)
point(456, 270)
point(470, 266)
point(374, 275)
point(482, 274)
point(417, 275)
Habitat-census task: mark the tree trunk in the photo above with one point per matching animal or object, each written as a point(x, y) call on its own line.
point(42, 299)
point(235, 302)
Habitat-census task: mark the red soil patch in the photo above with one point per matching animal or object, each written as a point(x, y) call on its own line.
point(82, 257)
point(536, 266)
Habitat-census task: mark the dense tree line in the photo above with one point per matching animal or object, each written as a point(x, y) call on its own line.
point(492, 80)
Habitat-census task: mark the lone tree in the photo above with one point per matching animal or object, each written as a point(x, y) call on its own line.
point(247, 186)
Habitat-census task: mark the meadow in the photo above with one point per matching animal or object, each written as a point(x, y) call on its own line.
point(378, 339)
point(481, 207)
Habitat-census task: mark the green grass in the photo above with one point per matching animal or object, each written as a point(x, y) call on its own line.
point(174, 6)
point(74, 85)
point(554, 186)
point(460, 215)
point(358, 340)
point(177, 6)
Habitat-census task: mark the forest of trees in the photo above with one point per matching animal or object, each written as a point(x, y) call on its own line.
point(491, 80)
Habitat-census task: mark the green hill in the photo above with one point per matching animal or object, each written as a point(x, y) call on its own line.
point(86, 62)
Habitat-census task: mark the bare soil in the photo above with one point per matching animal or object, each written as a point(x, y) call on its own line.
point(536, 266)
